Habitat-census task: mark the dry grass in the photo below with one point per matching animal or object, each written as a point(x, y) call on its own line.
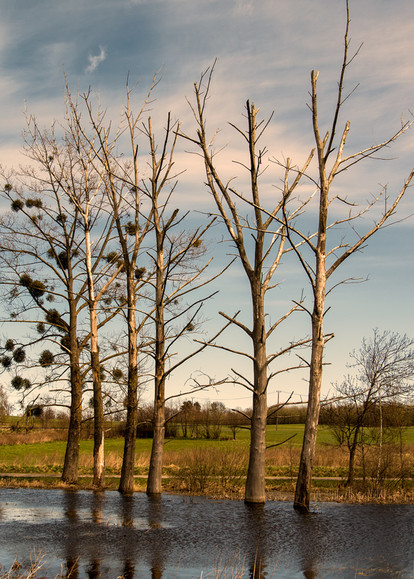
point(113, 461)
point(31, 436)
point(210, 471)
point(17, 570)
point(219, 468)
point(370, 495)
point(326, 456)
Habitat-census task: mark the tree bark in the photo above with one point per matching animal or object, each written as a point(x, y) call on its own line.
point(255, 482)
point(71, 462)
point(99, 432)
point(126, 483)
point(154, 483)
point(304, 481)
point(350, 479)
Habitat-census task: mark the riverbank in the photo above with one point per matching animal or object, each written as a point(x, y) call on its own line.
point(217, 468)
point(325, 489)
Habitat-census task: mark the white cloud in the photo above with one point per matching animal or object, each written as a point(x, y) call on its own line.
point(95, 61)
point(243, 8)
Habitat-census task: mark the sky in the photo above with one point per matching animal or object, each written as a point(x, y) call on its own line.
point(265, 51)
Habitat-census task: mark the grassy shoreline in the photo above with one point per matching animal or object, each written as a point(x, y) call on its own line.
point(214, 468)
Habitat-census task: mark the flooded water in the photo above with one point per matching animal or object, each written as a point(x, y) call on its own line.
point(109, 536)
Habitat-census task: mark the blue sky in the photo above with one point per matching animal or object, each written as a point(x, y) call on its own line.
point(265, 51)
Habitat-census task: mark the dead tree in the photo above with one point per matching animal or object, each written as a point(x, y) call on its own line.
point(319, 259)
point(178, 276)
point(41, 262)
point(123, 195)
point(259, 249)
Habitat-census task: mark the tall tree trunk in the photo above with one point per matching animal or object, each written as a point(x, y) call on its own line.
point(304, 481)
point(71, 462)
point(350, 479)
point(255, 482)
point(99, 431)
point(154, 483)
point(126, 483)
point(154, 486)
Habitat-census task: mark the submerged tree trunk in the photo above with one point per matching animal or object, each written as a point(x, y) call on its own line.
point(157, 451)
point(99, 432)
point(255, 482)
point(71, 462)
point(304, 481)
point(126, 483)
point(154, 483)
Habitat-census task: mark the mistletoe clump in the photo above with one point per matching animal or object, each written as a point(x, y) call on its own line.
point(35, 287)
point(20, 383)
point(54, 318)
point(46, 358)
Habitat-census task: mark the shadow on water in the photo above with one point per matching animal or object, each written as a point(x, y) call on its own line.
point(101, 535)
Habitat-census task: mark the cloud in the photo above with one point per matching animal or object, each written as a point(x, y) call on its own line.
point(243, 8)
point(95, 61)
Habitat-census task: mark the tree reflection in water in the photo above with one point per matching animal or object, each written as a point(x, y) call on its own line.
point(108, 535)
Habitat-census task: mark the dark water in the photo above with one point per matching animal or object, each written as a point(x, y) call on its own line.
point(107, 535)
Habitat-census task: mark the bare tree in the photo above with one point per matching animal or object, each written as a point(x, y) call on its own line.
point(124, 199)
point(139, 208)
point(178, 275)
point(84, 186)
point(320, 260)
point(40, 253)
point(384, 367)
point(260, 250)
point(71, 201)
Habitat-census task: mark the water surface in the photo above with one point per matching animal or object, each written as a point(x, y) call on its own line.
point(109, 536)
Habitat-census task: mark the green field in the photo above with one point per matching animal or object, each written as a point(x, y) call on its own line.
point(53, 452)
point(191, 465)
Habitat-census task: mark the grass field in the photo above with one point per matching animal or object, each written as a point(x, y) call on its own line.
point(192, 464)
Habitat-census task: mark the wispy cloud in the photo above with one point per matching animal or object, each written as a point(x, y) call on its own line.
point(95, 61)
point(243, 8)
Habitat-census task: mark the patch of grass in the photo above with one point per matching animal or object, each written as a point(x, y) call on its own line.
point(215, 467)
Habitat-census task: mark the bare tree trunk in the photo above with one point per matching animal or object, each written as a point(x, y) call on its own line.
point(304, 481)
point(98, 435)
point(99, 432)
point(154, 483)
point(350, 480)
point(381, 435)
point(255, 481)
point(126, 483)
point(155, 469)
point(71, 462)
